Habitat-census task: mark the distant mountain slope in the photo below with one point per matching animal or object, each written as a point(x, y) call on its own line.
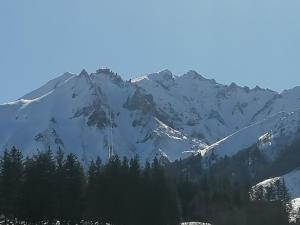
point(271, 135)
point(156, 114)
point(202, 107)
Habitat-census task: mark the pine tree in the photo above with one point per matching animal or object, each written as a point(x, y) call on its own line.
point(11, 177)
point(110, 186)
point(283, 195)
point(270, 193)
point(94, 191)
point(283, 192)
point(59, 181)
point(37, 197)
point(134, 191)
point(72, 190)
point(164, 196)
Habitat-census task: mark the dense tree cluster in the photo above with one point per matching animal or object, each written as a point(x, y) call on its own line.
point(275, 192)
point(48, 186)
point(120, 192)
point(51, 187)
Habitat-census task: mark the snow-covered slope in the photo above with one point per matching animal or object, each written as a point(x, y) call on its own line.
point(291, 180)
point(51, 85)
point(202, 107)
point(159, 113)
point(271, 135)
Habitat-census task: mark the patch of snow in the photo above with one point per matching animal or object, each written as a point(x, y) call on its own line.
point(294, 214)
point(195, 223)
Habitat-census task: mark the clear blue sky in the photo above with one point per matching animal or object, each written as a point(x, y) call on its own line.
point(247, 41)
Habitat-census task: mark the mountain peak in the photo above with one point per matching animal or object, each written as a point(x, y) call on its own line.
point(84, 73)
point(165, 74)
point(164, 78)
point(233, 87)
point(194, 75)
point(108, 74)
point(165, 71)
point(258, 88)
point(104, 70)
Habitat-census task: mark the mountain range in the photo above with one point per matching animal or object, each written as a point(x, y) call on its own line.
point(158, 114)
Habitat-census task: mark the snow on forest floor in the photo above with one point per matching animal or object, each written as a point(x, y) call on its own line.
point(295, 209)
point(195, 223)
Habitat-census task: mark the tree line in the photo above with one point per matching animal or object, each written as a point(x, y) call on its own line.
point(49, 187)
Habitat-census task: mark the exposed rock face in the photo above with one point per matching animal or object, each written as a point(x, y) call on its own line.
point(48, 138)
point(145, 103)
point(140, 101)
point(96, 116)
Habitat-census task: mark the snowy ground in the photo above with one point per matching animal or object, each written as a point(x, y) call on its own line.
point(295, 209)
point(195, 223)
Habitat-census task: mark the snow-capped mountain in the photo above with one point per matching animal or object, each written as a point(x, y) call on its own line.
point(87, 112)
point(156, 114)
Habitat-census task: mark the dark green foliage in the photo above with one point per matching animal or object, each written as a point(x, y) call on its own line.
point(37, 196)
point(288, 160)
point(71, 200)
point(249, 165)
point(267, 213)
point(47, 187)
point(246, 166)
point(11, 173)
point(120, 192)
point(94, 191)
point(190, 167)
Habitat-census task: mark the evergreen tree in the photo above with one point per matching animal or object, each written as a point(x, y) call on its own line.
point(186, 191)
point(94, 192)
point(72, 190)
point(270, 193)
point(37, 197)
point(283, 192)
point(167, 204)
point(125, 189)
point(45, 188)
point(111, 185)
point(11, 174)
point(59, 181)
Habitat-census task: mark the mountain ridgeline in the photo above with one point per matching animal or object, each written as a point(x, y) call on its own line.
point(156, 115)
